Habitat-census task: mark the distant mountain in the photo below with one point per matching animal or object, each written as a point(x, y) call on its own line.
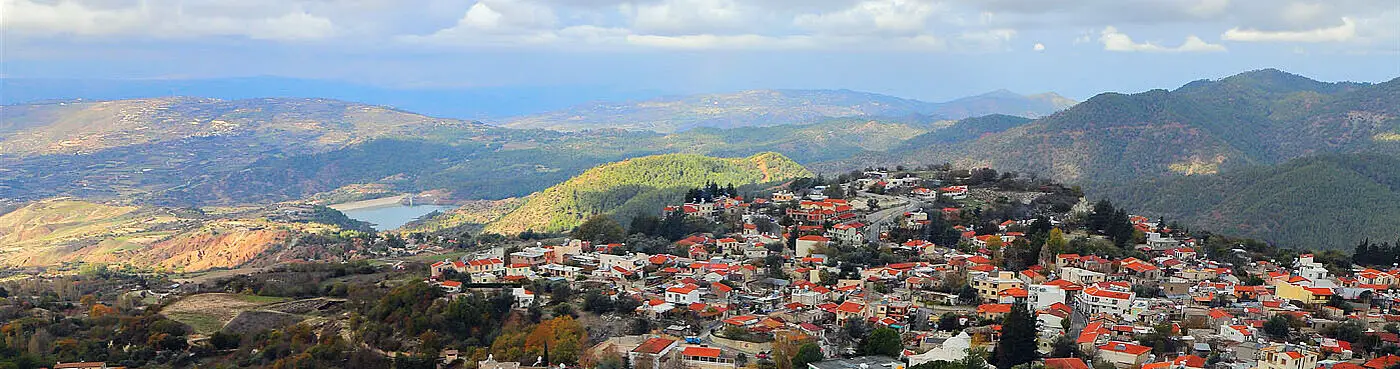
point(1322, 202)
point(197, 152)
point(763, 108)
point(55, 231)
point(965, 130)
point(638, 186)
point(462, 103)
point(1113, 141)
point(1260, 117)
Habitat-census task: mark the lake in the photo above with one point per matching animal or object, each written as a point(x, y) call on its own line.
point(392, 216)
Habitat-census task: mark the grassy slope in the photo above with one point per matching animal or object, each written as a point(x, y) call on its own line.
point(635, 186)
point(62, 230)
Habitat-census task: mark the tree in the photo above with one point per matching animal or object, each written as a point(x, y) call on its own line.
point(1018, 335)
point(948, 322)
point(1064, 346)
point(807, 353)
point(600, 229)
point(882, 341)
point(1277, 326)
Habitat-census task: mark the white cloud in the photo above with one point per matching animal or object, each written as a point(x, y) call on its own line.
point(1116, 41)
point(890, 17)
point(1038, 47)
point(677, 17)
point(158, 19)
point(1344, 32)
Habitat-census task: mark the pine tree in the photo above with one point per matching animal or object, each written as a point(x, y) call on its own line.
point(1018, 345)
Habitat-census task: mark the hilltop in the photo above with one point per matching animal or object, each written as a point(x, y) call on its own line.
point(1209, 133)
point(1259, 117)
point(763, 108)
point(56, 231)
point(639, 186)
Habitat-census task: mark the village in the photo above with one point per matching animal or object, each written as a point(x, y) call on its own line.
point(830, 267)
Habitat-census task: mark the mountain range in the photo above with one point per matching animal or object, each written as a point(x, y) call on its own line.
point(761, 108)
point(1247, 134)
point(1114, 144)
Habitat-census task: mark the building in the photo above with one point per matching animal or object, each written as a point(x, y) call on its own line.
point(706, 358)
point(862, 362)
point(1123, 354)
point(684, 294)
point(1105, 299)
point(1286, 357)
point(532, 256)
point(989, 286)
point(656, 350)
point(1083, 277)
point(806, 245)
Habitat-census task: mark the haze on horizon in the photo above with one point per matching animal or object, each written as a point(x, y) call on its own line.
point(933, 50)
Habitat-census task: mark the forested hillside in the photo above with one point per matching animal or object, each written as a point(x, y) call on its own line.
point(639, 186)
point(1324, 202)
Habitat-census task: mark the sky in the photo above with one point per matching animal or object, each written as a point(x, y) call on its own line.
point(933, 50)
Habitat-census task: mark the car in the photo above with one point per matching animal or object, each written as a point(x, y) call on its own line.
point(692, 339)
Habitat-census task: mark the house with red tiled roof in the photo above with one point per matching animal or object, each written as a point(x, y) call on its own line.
point(1066, 363)
point(654, 350)
point(1382, 362)
point(993, 311)
point(1124, 355)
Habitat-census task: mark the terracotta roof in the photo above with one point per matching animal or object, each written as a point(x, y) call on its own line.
point(654, 346)
point(1383, 362)
point(701, 351)
point(994, 308)
point(1125, 347)
point(1066, 363)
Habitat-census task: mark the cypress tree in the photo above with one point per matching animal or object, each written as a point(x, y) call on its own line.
point(1018, 336)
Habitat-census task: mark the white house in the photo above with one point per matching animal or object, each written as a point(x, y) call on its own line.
point(684, 294)
point(1044, 295)
point(1101, 299)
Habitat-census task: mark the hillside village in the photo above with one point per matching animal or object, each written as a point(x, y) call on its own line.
point(949, 261)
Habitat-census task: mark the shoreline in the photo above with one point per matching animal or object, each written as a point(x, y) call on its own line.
point(371, 203)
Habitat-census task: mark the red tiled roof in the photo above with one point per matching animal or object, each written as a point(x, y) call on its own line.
point(653, 346)
point(1383, 362)
point(1125, 347)
point(994, 308)
point(1066, 363)
point(700, 351)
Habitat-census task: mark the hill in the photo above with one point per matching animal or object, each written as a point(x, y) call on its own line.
point(638, 186)
point(763, 108)
point(200, 152)
point(1220, 129)
point(1254, 118)
point(1323, 202)
point(56, 231)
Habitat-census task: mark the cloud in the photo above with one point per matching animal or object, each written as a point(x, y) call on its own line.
point(1038, 47)
point(678, 17)
point(159, 19)
point(1344, 32)
point(1116, 41)
point(887, 17)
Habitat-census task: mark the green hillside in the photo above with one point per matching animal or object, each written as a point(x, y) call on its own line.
point(1254, 118)
point(639, 186)
point(1331, 201)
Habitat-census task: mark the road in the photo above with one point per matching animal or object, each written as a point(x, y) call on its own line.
point(879, 221)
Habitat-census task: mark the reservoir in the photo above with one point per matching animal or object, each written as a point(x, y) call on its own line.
point(392, 216)
point(386, 213)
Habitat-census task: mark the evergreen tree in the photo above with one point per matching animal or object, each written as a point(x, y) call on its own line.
point(882, 341)
point(1018, 336)
point(808, 353)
